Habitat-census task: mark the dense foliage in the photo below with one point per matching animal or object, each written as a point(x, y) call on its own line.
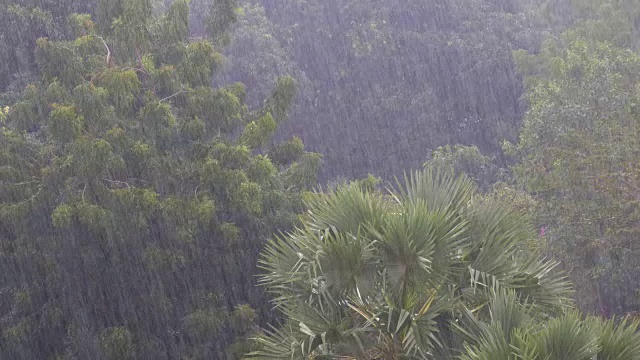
point(578, 151)
point(145, 160)
point(392, 79)
point(135, 196)
point(23, 22)
point(515, 331)
point(399, 275)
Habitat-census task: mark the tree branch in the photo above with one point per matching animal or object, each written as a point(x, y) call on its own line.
point(118, 182)
point(109, 58)
point(176, 94)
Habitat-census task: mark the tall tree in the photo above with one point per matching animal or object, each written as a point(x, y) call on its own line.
point(579, 148)
point(134, 197)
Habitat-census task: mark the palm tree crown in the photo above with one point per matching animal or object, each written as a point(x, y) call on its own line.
point(406, 274)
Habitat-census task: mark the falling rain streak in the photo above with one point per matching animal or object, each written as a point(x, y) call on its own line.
point(361, 179)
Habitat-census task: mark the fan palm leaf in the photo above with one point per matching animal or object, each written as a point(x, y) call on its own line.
point(397, 275)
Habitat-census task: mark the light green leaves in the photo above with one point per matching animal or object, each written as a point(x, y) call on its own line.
point(578, 150)
point(396, 272)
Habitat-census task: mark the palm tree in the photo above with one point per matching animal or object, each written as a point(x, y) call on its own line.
point(406, 274)
point(514, 331)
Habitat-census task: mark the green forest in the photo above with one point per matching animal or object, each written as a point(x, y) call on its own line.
point(320, 179)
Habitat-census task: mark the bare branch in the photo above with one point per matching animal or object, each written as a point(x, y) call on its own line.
point(109, 58)
point(118, 182)
point(176, 94)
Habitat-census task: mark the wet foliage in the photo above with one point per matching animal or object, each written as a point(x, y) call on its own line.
point(150, 149)
point(135, 197)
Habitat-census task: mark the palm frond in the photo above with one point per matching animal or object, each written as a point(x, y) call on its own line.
point(290, 264)
point(617, 341)
point(348, 263)
point(422, 336)
point(441, 190)
point(281, 344)
point(540, 282)
point(496, 235)
point(508, 312)
point(492, 346)
point(347, 209)
point(566, 338)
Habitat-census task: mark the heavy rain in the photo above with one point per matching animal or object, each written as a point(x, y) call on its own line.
point(319, 179)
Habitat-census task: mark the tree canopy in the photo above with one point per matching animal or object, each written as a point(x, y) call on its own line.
point(149, 149)
point(135, 196)
point(578, 151)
